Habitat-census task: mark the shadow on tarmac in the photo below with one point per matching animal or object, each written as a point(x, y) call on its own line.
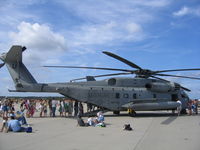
point(143, 115)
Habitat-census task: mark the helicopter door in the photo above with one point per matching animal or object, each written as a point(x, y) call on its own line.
point(174, 97)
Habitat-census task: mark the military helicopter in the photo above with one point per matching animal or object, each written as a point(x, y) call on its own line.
point(144, 92)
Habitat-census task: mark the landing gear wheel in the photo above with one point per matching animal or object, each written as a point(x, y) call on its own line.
point(131, 112)
point(116, 112)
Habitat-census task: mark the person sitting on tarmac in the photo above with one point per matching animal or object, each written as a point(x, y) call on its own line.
point(90, 121)
point(20, 117)
point(14, 125)
point(100, 117)
point(80, 122)
point(99, 121)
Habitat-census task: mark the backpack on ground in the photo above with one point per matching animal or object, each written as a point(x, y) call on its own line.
point(28, 129)
point(127, 127)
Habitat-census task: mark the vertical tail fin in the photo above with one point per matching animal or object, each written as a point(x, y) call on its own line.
point(16, 68)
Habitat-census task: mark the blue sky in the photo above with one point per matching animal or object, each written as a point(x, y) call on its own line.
point(155, 34)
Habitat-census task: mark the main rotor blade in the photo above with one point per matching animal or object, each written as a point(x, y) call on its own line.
point(176, 70)
point(99, 68)
point(177, 76)
point(122, 60)
point(103, 75)
point(1, 65)
point(186, 89)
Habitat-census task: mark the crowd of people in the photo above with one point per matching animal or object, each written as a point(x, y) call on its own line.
point(47, 107)
point(15, 112)
point(50, 107)
point(13, 120)
point(193, 107)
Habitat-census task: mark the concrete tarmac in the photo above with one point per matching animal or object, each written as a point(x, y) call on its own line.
point(152, 131)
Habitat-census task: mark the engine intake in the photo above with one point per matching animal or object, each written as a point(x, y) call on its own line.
point(160, 87)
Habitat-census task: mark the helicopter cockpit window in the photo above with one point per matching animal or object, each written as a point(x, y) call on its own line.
point(134, 96)
point(125, 95)
point(117, 95)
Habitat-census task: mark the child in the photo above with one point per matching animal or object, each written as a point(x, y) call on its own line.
point(5, 119)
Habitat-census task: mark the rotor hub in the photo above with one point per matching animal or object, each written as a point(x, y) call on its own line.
point(143, 73)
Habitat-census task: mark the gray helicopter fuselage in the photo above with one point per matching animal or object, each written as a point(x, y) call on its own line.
point(118, 93)
point(115, 94)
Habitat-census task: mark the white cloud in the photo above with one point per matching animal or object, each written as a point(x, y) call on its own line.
point(119, 10)
point(8, 4)
point(38, 36)
point(133, 27)
point(101, 34)
point(153, 3)
point(183, 11)
point(113, 23)
point(111, 33)
point(187, 11)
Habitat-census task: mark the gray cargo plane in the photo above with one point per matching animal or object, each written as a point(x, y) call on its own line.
point(143, 92)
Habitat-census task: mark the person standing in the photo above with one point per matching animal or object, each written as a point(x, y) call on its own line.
point(28, 107)
point(41, 107)
point(66, 108)
point(61, 108)
point(179, 107)
point(54, 104)
point(190, 107)
point(45, 108)
point(75, 108)
point(89, 107)
point(5, 108)
point(22, 105)
point(196, 106)
point(80, 109)
point(70, 108)
point(5, 119)
point(50, 107)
